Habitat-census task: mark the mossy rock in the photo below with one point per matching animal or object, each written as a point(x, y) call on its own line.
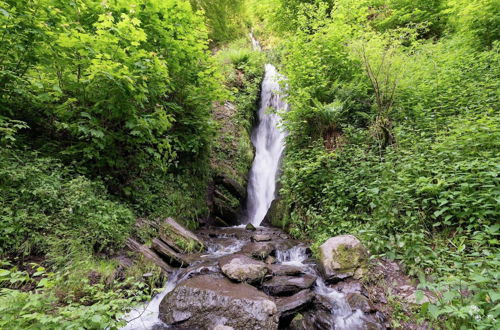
point(343, 256)
point(276, 214)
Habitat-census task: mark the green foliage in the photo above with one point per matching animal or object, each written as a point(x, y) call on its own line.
point(243, 69)
point(225, 18)
point(477, 20)
point(85, 294)
point(43, 203)
point(8, 130)
point(430, 196)
point(118, 87)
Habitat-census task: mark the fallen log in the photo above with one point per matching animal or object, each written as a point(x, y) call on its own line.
point(148, 254)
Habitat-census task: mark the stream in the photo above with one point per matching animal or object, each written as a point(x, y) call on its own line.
point(200, 296)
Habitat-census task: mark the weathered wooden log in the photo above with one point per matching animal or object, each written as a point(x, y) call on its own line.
point(172, 257)
point(148, 254)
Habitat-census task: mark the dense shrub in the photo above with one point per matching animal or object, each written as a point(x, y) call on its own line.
point(395, 138)
point(225, 18)
point(117, 87)
point(43, 204)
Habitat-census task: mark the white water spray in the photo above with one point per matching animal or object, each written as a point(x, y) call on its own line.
point(269, 142)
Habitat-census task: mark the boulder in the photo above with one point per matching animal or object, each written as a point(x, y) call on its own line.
point(222, 327)
point(285, 270)
point(275, 214)
point(179, 237)
point(205, 301)
point(291, 305)
point(258, 249)
point(241, 268)
point(349, 285)
point(287, 285)
point(270, 260)
point(251, 227)
point(261, 237)
point(358, 301)
point(342, 257)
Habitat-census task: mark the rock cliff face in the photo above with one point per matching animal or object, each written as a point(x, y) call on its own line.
point(231, 159)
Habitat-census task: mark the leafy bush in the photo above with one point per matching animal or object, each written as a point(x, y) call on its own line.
point(87, 293)
point(42, 202)
point(116, 87)
point(225, 18)
point(428, 198)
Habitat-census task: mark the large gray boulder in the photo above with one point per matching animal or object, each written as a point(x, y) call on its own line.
point(342, 257)
point(241, 268)
point(205, 301)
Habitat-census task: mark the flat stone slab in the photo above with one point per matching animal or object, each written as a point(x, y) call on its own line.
point(241, 268)
point(290, 305)
point(202, 302)
point(285, 270)
point(261, 238)
point(287, 285)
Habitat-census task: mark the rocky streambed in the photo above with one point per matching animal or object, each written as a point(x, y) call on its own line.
point(263, 279)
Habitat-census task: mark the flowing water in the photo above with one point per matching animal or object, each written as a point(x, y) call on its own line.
point(269, 142)
point(342, 315)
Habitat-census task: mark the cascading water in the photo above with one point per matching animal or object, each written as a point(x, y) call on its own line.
point(269, 142)
point(342, 315)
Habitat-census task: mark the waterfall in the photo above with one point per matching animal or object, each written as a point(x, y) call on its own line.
point(269, 142)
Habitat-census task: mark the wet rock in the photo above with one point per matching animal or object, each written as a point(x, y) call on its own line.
point(242, 268)
point(179, 237)
point(173, 258)
point(258, 249)
point(287, 285)
point(261, 237)
point(285, 244)
point(222, 327)
point(358, 301)
point(296, 323)
point(202, 268)
point(318, 318)
point(285, 270)
point(223, 211)
point(203, 301)
point(270, 260)
point(348, 286)
point(343, 256)
point(291, 305)
point(250, 227)
point(231, 185)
